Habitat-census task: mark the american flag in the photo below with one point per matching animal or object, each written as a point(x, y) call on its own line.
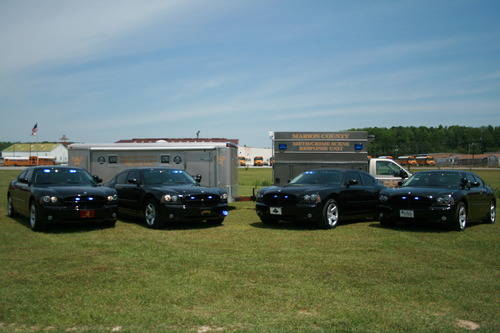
point(35, 129)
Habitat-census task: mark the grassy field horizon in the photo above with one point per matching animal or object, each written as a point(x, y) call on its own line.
point(244, 276)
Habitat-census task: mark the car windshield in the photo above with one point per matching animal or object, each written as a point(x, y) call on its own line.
point(434, 179)
point(63, 176)
point(167, 177)
point(326, 177)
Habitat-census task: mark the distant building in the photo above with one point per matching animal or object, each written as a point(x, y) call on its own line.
point(56, 151)
point(164, 140)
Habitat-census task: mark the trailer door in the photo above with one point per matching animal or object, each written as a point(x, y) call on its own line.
point(202, 163)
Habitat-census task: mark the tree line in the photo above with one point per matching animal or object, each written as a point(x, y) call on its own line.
point(442, 139)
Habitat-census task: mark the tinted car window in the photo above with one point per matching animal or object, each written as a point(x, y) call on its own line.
point(349, 175)
point(367, 179)
point(134, 174)
point(22, 175)
point(167, 177)
point(435, 179)
point(330, 177)
point(55, 176)
point(121, 178)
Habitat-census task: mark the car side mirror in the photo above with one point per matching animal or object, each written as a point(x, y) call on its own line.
point(402, 174)
point(400, 183)
point(474, 184)
point(133, 181)
point(24, 180)
point(197, 178)
point(352, 182)
point(97, 179)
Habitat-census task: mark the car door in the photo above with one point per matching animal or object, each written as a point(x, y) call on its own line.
point(473, 197)
point(372, 188)
point(24, 190)
point(16, 192)
point(353, 197)
point(129, 189)
point(484, 197)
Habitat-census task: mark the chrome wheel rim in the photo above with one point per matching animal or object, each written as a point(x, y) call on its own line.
point(33, 216)
point(493, 213)
point(150, 213)
point(462, 217)
point(332, 214)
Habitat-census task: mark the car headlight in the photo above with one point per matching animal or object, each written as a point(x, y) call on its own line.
point(224, 196)
point(312, 198)
point(169, 198)
point(383, 198)
point(445, 200)
point(49, 199)
point(113, 197)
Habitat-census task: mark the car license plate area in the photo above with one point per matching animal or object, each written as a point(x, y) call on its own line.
point(406, 213)
point(87, 214)
point(275, 210)
point(206, 212)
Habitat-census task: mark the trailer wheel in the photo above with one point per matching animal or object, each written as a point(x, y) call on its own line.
point(152, 214)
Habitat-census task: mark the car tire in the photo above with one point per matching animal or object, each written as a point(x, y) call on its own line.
point(492, 214)
point(11, 212)
point(386, 222)
point(460, 220)
point(109, 223)
point(268, 220)
point(35, 219)
point(330, 216)
point(152, 214)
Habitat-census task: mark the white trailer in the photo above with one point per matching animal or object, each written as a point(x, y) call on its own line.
point(216, 162)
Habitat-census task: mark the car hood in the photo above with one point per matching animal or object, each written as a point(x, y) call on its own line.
point(295, 189)
point(418, 191)
point(66, 191)
point(187, 189)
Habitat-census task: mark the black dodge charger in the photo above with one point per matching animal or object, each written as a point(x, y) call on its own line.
point(161, 195)
point(452, 197)
point(323, 196)
point(48, 194)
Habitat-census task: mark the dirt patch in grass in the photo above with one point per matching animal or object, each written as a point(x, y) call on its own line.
point(467, 324)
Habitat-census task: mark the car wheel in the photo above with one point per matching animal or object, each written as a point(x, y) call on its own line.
point(330, 215)
point(269, 220)
point(460, 217)
point(152, 214)
point(109, 224)
point(386, 222)
point(36, 222)
point(10, 209)
point(492, 214)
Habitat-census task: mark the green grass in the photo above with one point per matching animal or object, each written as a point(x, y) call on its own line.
point(243, 276)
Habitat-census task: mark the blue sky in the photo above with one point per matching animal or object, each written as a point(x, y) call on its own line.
point(100, 71)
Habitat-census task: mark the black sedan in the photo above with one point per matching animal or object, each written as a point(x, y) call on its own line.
point(452, 197)
point(48, 194)
point(323, 196)
point(163, 195)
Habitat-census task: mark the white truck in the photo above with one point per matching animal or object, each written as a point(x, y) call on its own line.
point(296, 152)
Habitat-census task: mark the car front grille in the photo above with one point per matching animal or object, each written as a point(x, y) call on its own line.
point(85, 202)
point(201, 200)
point(410, 201)
point(281, 199)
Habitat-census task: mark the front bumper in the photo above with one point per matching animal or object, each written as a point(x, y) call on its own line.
point(441, 214)
point(169, 212)
point(62, 213)
point(300, 212)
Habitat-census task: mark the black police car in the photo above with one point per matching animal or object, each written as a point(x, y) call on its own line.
point(48, 194)
point(162, 195)
point(324, 196)
point(452, 197)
